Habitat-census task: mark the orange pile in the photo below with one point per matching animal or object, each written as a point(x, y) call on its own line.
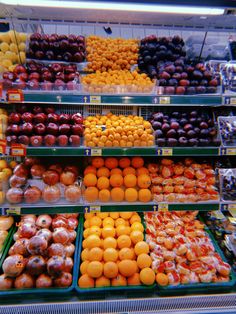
point(114, 251)
point(117, 180)
point(111, 53)
point(117, 131)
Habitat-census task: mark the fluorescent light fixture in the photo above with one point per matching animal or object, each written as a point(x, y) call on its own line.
point(115, 6)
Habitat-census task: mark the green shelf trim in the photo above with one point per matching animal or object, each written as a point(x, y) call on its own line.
point(204, 100)
point(131, 151)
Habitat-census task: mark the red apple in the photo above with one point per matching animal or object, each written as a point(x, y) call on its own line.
point(51, 194)
point(52, 128)
point(27, 128)
point(19, 69)
point(53, 117)
point(33, 84)
point(72, 193)
point(46, 85)
point(60, 235)
point(30, 161)
point(20, 84)
point(37, 109)
point(45, 233)
point(56, 67)
point(14, 118)
point(77, 118)
point(72, 169)
point(12, 140)
point(17, 182)
point(36, 140)
point(74, 140)
point(67, 177)
point(56, 249)
point(37, 245)
point(14, 195)
point(49, 109)
point(32, 195)
point(6, 84)
point(64, 118)
point(71, 85)
point(59, 85)
point(21, 171)
point(9, 76)
point(62, 140)
point(47, 76)
point(40, 129)
point(23, 76)
point(49, 140)
point(64, 129)
point(59, 221)
point(27, 117)
point(40, 118)
point(51, 177)
point(44, 221)
point(15, 129)
point(37, 171)
point(77, 129)
point(24, 139)
point(27, 230)
point(34, 76)
point(56, 167)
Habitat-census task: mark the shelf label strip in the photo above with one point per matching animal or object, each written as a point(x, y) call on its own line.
point(164, 152)
point(11, 211)
point(162, 207)
point(92, 209)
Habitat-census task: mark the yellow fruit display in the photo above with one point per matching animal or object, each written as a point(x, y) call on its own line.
point(117, 81)
point(120, 131)
point(111, 53)
point(110, 257)
point(12, 49)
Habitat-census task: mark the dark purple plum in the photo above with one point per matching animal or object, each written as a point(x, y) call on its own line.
point(165, 127)
point(188, 127)
point(171, 133)
point(158, 134)
point(203, 125)
point(191, 90)
point(158, 116)
point(174, 125)
point(193, 142)
point(191, 134)
point(200, 89)
point(181, 133)
point(157, 125)
point(204, 133)
point(183, 121)
point(183, 141)
point(160, 142)
point(193, 121)
point(172, 142)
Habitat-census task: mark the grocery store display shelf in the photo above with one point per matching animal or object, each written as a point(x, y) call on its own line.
point(37, 209)
point(130, 151)
point(78, 98)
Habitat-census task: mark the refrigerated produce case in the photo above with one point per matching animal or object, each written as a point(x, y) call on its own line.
point(206, 37)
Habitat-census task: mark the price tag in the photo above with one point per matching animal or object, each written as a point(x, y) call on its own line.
point(18, 150)
point(15, 95)
point(95, 99)
point(232, 209)
point(95, 209)
point(93, 152)
point(231, 151)
point(232, 220)
point(218, 214)
point(164, 152)
point(162, 207)
point(11, 211)
point(162, 100)
point(230, 100)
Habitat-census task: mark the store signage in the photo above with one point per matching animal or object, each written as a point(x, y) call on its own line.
point(15, 95)
point(93, 152)
point(18, 150)
point(164, 152)
point(11, 211)
point(223, 151)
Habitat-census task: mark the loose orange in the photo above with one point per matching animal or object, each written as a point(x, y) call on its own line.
point(104, 195)
point(162, 279)
point(116, 171)
point(144, 260)
point(108, 221)
point(103, 172)
point(85, 255)
point(110, 255)
point(124, 162)
point(85, 281)
point(90, 179)
point(136, 236)
point(103, 183)
point(126, 253)
point(95, 221)
point(109, 242)
point(108, 231)
point(122, 229)
point(119, 280)
point(91, 194)
point(116, 180)
point(114, 215)
point(127, 267)
point(126, 215)
point(129, 170)
point(147, 276)
point(130, 180)
point(86, 233)
point(95, 229)
point(117, 195)
point(97, 162)
point(120, 221)
point(93, 241)
point(137, 226)
point(144, 195)
point(144, 181)
point(134, 280)
point(110, 270)
point(135, 218)
point(141, 247)
point(142, 170)
point(95, 254)
point(102, 282)
point(131, 195)
point(123, 241)
point(90, 169)
point(111, 162)
point(137, 162)
point(95, 269)
point(83, 267)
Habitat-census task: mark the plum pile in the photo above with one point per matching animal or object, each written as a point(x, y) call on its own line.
point(38, 127)
point(184, 129)
point(35, 76)
point(165, 59)
point(69, 48)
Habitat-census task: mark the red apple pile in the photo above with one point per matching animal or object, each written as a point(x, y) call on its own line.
point(164, 58)
point(42, 126)
point(42, 254)
point(32, 182)
point(38, 76)
point(69, 48)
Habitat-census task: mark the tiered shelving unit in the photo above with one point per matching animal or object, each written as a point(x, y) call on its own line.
point(32, 18)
